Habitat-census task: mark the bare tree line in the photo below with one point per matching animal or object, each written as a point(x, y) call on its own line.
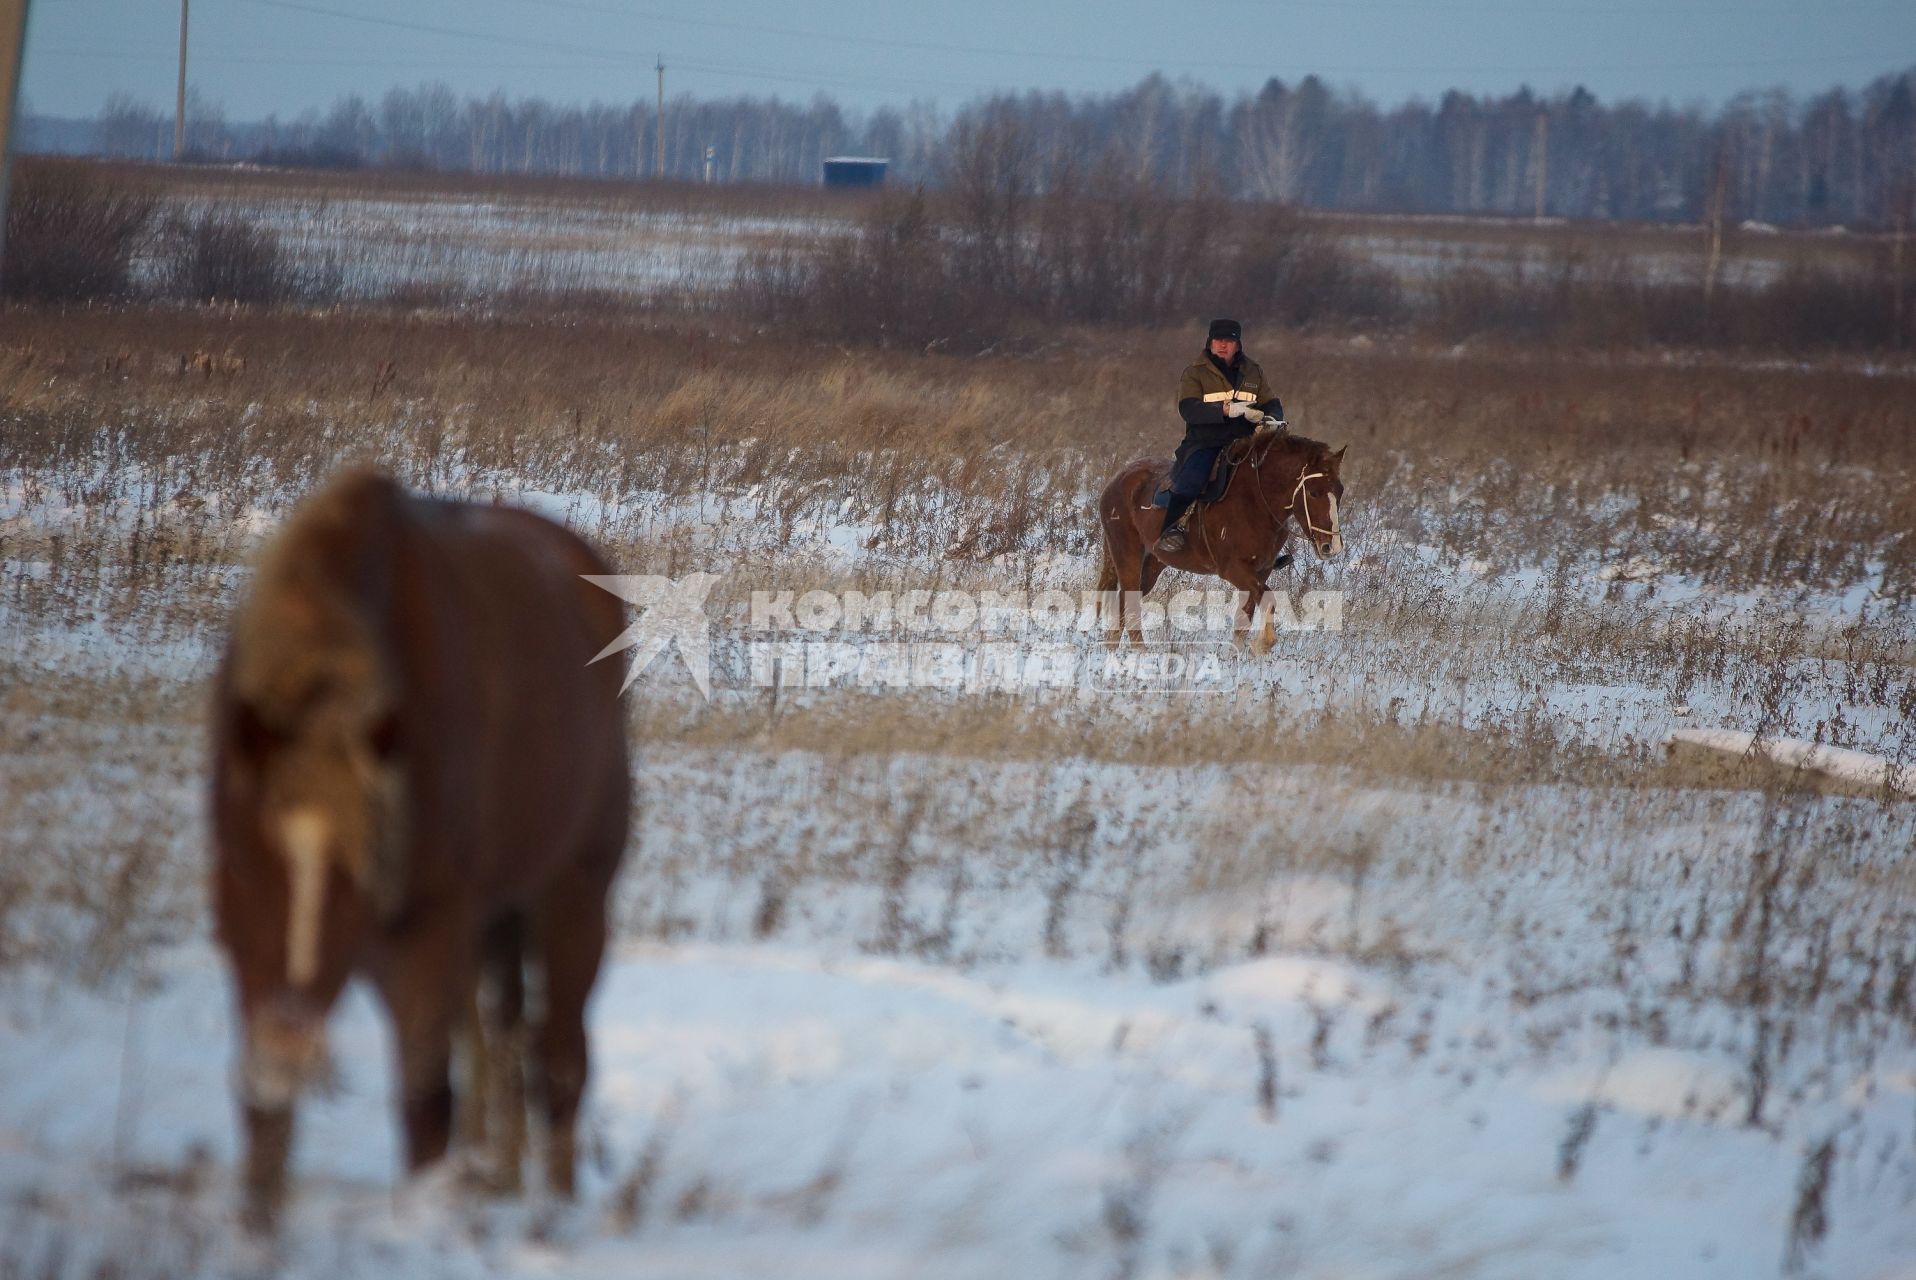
point(1842, 156)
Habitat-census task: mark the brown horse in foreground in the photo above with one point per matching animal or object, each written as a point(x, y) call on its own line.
point(1280, 478)
point(417, 777)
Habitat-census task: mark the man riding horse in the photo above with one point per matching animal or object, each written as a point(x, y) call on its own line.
point(1221, 398)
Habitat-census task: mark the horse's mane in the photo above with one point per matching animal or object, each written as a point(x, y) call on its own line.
point(1303, 448)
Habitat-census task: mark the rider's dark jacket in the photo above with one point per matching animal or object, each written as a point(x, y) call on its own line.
point(1207, 387)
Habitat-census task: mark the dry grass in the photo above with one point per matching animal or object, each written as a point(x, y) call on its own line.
point(165, 433)
point(1740, 475)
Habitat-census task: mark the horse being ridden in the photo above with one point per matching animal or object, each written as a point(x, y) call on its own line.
point(1279, 478)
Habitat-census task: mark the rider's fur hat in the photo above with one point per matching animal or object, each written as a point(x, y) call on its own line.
point(1226, 329)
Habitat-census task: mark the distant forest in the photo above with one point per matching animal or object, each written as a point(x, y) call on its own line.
point(1840, 157)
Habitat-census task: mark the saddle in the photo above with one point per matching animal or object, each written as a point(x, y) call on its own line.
point(1223, 467)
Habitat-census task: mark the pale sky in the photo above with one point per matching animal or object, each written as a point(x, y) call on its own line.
point(284, 56)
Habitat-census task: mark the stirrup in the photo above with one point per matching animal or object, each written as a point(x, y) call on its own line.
point(1172, 540)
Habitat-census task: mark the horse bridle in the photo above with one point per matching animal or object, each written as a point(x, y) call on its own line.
point(1310, 526)
point(1304, 519)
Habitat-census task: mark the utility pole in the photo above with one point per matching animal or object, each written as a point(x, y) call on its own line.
point(658, 156)
point(1716, 204)
point(1905, 200)
point(1542, 163)
point(179, 102)
point(13, 35)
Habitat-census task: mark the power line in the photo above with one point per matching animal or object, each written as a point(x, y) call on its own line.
point(617, 55)
point(1587, 68)
point(870, 42)
point(914, 86)
point(1057, 55)
point(623, 55)
point(461, 33)
point(425, 64)
point(1532, 12)
point(337, 58)
point(348, 57)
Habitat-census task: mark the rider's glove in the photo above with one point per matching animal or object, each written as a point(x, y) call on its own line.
point(1256, 417)
point(1234, 408)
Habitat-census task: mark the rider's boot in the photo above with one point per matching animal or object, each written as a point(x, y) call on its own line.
point(1172, 539)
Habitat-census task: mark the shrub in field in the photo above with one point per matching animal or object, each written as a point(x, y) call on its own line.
point(1278, 265)
point(970, 272)
point(319, 155)
point(72, 233)
point(897, 281)
point(1808, 308)
point(1112, 248)
point(220, 255)
point(1805, 307)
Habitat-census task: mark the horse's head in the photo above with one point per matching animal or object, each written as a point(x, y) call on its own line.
point(308, 802)
point(1314, 500)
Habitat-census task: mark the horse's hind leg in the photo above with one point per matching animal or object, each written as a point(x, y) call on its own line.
point(570, 937)
point(1124, 560)
point(493, 1105)
point(1132, 593)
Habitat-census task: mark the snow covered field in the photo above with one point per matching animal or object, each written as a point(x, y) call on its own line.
point(1406, 950)
point(485, 247)
point(1410, 955)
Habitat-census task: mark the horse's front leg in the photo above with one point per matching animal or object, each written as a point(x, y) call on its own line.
point(427, 979)
point(1152, 569)
point(1246, 578)
point(1280, 558)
